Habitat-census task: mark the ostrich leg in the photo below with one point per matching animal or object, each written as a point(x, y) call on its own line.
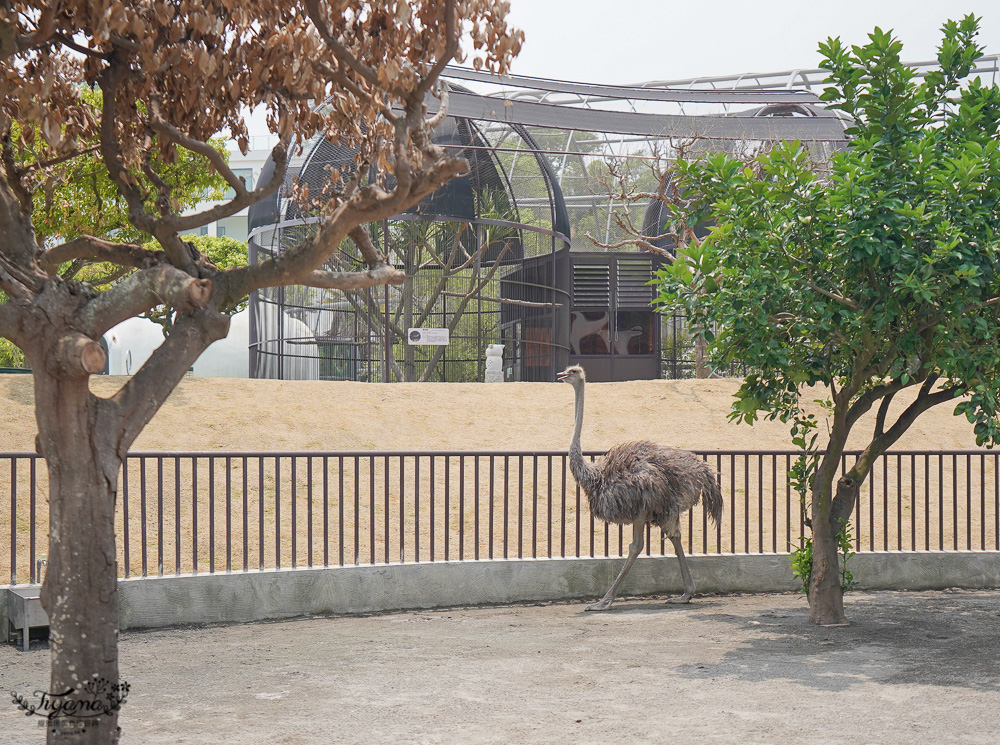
point(638, 528)
point(685, 572)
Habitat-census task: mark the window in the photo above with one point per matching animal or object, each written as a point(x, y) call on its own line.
point(633, 332)
point(589, 332)
point(232, 227)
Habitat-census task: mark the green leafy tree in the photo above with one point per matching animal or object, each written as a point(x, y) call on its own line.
point(878, 277)
point(10, 354)
point(77, 197)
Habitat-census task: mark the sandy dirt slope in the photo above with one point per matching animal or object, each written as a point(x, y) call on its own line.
point(232, 414)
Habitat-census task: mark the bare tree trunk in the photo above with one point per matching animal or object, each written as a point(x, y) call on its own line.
point(826, 595)
point(80, 592)
point(700, 368)
point(409, 355)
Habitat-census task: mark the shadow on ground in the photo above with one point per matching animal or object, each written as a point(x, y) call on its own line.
point(941, 639)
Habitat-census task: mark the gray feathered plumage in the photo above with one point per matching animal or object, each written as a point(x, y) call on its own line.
point(643, 478)
point(641, 483)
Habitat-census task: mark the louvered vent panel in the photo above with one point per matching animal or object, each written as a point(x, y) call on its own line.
point(592, 285)
point(633, 276)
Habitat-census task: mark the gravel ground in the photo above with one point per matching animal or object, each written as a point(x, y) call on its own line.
point(913, 668)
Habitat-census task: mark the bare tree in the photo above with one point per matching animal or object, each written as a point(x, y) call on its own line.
point(642, 180)
point(172, 74)
point(440, 260)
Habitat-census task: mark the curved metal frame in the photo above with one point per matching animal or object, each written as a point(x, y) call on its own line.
point(592, 125)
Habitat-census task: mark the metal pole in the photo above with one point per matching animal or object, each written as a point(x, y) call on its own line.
point(388, 336)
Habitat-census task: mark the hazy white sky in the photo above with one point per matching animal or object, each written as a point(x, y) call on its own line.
point(631, 41)
point(628, 41)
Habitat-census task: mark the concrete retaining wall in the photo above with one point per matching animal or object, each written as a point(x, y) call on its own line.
point(282, 594)
point(253, 596)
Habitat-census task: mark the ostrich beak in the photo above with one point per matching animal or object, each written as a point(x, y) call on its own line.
point(561, 377)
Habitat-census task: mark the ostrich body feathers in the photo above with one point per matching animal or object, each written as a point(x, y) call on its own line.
point(637, 478)
point(641, 483)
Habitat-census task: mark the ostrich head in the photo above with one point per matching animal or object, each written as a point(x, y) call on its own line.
point(574, 375)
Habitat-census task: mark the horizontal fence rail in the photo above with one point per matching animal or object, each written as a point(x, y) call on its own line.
point(200, 512)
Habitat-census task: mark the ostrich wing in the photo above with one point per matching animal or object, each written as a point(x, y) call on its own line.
point(637, 478)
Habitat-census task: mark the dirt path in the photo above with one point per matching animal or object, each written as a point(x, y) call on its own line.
point(913, 668)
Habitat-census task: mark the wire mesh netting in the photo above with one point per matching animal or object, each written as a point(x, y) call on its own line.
point(556, 170)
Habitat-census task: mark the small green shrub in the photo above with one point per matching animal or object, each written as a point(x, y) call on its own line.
point(802, 559)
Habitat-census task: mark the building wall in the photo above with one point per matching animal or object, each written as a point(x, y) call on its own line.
point(249, 166)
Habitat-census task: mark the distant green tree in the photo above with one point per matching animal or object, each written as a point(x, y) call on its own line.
point(78, 197)
point(882, 276)
point(10, 354)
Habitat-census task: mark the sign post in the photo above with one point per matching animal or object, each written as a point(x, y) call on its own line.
point(438, 337)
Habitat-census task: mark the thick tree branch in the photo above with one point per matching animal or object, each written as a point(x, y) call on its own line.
point(924, 401)
point(75, 356)
point(340, 52)
point(369, 252)
point(129, 410)
point(12, 323)
point(244, 198)
point(95, 249)
point(342, 79)
point(15, 173)
point(843, 504)
point(866, 400)
point(846, 302)
point(19, 273)
point(142, 291)
point(110, 148)
point(11, 282)
point(883, 410)
point(163, 189)
point(435, 121)
point(83, 51)
point(451, 48)
point(171, 134)
point(380, 274)
point(299, 264)
point(630, 243)
point(11, 42)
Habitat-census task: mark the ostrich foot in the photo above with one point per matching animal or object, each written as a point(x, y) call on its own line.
point(680, 599)
point(602, 604)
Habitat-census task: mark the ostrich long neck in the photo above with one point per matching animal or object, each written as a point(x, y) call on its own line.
point(582, 470)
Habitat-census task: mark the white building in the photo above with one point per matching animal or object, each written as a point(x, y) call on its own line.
point(131, 343)
point(249, 167)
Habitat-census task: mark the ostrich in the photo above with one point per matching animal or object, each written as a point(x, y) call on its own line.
point(643, 484)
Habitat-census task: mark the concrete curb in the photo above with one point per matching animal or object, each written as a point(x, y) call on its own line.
point(273, 594)
point(253, 596)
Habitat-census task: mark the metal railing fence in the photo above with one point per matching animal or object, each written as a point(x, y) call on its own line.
point(200, 512)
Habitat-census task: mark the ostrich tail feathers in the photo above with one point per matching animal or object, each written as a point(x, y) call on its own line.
point(711, 498)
